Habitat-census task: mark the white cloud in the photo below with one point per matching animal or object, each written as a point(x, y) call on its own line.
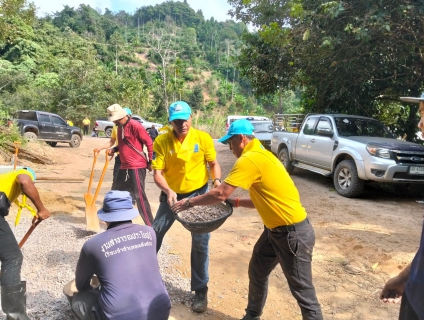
point(210, 8)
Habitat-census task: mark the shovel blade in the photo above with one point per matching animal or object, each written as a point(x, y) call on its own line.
point(92, 221)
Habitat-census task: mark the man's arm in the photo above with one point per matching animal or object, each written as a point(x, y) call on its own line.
point(215, 170)
point(393, 289)
point(107, 145)
point(84, 272)
point(163, 185)
point(29, 189)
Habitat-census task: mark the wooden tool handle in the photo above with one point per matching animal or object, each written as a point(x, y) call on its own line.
point(101, 179)
point(92, 171)
point(35, 222)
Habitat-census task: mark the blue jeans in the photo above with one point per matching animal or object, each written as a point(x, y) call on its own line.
point(199, 242)
point(293, 251)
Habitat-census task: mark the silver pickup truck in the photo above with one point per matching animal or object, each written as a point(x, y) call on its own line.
point(350, 149)
point(106, 126)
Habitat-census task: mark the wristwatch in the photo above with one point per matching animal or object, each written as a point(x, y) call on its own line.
point(217, 179)
point(187, 203)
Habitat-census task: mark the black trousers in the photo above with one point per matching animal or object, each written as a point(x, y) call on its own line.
point(116, 167)
point(10, 256)
point(293, 251)
point(86, 129)
point(133, 181)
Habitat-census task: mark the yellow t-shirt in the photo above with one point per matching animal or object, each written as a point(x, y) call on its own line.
point(86, 122)
point(184, 164)
point(270, 187)
point(115, 136)
point(9, 184)
point(69, 122)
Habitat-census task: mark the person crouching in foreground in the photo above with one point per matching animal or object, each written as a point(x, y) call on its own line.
point(288, 237)
point(125, 262)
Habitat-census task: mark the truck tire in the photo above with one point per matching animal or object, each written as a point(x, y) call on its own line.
point(284, 157)
point(75, 141)
point(346, 180)
point(108, 132)
point(30, 136)
point(52, 144)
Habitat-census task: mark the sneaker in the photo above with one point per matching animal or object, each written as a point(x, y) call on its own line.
point(249, 317)
point(200, 303)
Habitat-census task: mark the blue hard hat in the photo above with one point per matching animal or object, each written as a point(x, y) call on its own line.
point(128, 111)
point(32, 173)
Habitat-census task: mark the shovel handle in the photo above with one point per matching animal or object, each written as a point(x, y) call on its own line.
point(92, 171)
point(108, 158)
point(35, 222)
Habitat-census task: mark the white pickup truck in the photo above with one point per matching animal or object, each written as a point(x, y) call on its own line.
point(350, 149)
point(106, 126)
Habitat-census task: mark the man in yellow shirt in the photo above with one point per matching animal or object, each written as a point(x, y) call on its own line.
point(69, 122)
point(12, 185)
point(288, 237)
point(86, 123)
point(180, 162)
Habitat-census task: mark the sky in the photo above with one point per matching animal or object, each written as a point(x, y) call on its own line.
point(210, 8)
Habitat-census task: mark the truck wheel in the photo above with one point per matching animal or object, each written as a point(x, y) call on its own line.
point(108, 132)
point(75, 141)
point(284, 157)
point(30, 136)
point(346, 180)
point(52, 144)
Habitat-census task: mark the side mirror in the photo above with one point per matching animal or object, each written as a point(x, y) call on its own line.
point(325, 132)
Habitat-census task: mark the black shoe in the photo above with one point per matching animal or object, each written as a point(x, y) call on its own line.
point(200, 303)
point(249, 317)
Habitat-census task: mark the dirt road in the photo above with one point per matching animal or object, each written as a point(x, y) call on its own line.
point(360, 243)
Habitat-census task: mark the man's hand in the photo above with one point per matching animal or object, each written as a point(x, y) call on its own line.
point(43, 214)
point(110, 152)
point(180, 206)
point(393, 290)
point(172, 198)
point(149, 167)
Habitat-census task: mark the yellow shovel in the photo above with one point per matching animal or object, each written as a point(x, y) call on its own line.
point(90, 210)
point(88, 197)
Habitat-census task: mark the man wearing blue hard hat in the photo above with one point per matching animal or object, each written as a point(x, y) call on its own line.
point(13, 290)
point(180, 164)
point(288, 238)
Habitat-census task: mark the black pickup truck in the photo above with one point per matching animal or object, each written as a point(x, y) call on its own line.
point(48, 127)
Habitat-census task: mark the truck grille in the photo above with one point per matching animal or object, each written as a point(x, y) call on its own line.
point(409, 157)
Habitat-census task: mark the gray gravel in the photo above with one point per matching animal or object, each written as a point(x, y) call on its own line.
point(50, 257)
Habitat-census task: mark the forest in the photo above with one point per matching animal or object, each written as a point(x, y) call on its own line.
point(353, 57)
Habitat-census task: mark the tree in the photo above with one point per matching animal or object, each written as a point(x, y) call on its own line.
point(14, 14)
point(351, 57)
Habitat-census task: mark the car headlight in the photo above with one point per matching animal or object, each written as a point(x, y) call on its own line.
point(379, 152)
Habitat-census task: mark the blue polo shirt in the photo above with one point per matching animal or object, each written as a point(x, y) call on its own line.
point(414, 288)
point(125, 262)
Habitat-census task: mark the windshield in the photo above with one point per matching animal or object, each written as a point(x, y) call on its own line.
point(347, 127)
point(263, 127)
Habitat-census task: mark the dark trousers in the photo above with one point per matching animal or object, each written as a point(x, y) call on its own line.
point(406, 311)
point(86, 129)
point(116, 167)
point(85, 305)
point(133, 181)
point(10, 256)
point(293, 251)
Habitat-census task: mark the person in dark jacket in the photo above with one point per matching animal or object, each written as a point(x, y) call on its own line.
point(408, 285)
point(153, 132)
point(124, 260)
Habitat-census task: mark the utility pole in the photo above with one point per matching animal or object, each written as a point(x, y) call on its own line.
point(280, 99)
point(116, 58)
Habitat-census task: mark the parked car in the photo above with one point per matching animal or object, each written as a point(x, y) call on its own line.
point(106, 126)
point(45, 126)
point(351, 149)
point(231, 119)
point(263, 132)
